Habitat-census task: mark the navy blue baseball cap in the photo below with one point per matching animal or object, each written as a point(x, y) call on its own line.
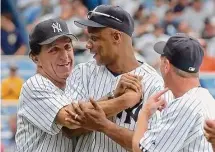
point(49, 30)
point(108, 16)
point(183, 51)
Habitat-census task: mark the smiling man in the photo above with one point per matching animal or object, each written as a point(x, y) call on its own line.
point(42, 102)
point(110, 31)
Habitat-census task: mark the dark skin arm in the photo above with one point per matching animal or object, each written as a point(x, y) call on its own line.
point(98, 122)
point(113, 106)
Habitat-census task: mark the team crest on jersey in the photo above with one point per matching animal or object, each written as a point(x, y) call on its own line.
point(56, 27)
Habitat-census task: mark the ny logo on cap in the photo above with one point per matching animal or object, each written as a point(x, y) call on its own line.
point(56, 27)
point(191, 69)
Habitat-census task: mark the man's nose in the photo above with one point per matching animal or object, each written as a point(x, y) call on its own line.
point(89, 45)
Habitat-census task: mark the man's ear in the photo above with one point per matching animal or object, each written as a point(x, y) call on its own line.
point(117, 37)
point(36, 60)
point(167, 66)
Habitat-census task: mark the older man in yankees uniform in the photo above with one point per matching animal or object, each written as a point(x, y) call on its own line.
point(181, 127)
point(110, 30)
point(43, 101)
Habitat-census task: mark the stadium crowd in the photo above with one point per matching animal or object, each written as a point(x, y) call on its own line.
point(154, 21)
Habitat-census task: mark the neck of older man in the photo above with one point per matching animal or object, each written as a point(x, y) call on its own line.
point(180, 85)
point(61, 83)
point(126, 60)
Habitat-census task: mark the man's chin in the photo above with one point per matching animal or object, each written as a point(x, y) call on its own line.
point(64, 75)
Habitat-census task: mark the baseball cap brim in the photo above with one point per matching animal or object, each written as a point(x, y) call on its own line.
point(87, 23)
point(50, 40)
point(159, 47)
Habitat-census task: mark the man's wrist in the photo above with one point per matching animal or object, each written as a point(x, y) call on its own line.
point(106, 126)
point(146, 113)
point(111, 95)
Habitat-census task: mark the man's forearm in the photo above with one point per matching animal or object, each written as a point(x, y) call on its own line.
point(213, 145)
point(122, 136)
point(110, 107)
point(142, 126)
point(113, 106)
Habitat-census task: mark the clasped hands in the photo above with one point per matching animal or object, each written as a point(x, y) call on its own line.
point(90, 116)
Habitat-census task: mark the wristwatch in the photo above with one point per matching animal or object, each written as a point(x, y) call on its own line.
point(110, 95)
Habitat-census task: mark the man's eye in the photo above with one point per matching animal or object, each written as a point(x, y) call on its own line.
point(93, 38)
point(68, 47)
point(54, 49)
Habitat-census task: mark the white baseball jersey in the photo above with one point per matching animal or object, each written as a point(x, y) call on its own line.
point(181, 125)
point(90, 80)
point(39, 102)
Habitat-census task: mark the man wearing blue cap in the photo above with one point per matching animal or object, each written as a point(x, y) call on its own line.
point(110, 31)
point(42, 101)
point(181, 127)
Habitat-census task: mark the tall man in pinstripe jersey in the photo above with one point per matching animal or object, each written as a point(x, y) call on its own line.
point(181, 127)
point(110, 30)
point(43, 102)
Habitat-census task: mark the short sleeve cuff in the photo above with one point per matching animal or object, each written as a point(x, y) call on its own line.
point(54, 127)
point(147, 145)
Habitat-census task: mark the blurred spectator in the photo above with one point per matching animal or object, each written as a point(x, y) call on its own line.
point(47, 7)
point(77, 11)
point(140, 21)
point(195, 16)
point(91, 4)
point(180, 6)
point(169, 23)
point(146, 43)
point(146, 25)
point(131, 6)
point(208, 63)
point(160, 9)
point(12, 42)
point(209, 30)
point(172, 4)
point(12, 144)
point(211, 47)
point(11, 86)
point(183, 27)
point(139, 15)
point(30, 10)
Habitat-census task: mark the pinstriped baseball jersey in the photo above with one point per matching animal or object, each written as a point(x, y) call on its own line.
point(181, 125)
point(39, 102)
point(91, 80)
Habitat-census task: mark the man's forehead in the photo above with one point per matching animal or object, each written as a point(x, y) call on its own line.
point(95, 30)
point(61, 40)
point(100, 31)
